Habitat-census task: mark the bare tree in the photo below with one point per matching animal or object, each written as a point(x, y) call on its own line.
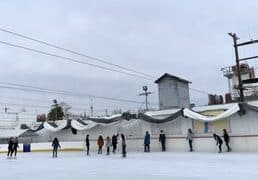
point(66, 108)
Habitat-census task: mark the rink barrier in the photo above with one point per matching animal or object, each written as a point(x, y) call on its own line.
point(239, 143)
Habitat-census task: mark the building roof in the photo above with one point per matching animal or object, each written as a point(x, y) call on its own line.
point(171, 76)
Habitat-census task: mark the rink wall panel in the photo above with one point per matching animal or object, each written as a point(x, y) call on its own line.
point(174, 144)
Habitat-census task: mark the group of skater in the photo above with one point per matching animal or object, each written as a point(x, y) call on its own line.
point(112, 142)
point(13, 145)
point(162, 140)
point(190, 137)
point(218, 140)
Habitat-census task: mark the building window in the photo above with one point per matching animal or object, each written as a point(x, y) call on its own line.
point(201, 127)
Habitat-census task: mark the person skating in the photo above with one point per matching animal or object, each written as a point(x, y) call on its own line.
point(100, 144)
point(87, 144)
point(219, 142)
point(10, 148)
point(147, 142)
point(226, 139)
point(123, 145)
point(190, 139)
point(118, 137)
point(162, 140)
point(15, 147)
point(108, 145)
point(55, 145)
point(114, 143)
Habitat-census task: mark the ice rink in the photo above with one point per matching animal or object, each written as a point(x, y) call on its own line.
point(151, 166)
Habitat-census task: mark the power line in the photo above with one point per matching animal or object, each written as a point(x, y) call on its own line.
point(45, 90)
point(72, 60)
point(151, 78)
point(1, 82)
point(33, 105)
point(72, 104)
point(73, 52)
point(199, 91)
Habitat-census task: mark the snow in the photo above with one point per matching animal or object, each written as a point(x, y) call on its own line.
point(137, 166)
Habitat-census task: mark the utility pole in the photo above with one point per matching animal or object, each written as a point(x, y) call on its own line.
point(55, 106)
point(240, 85)
point(145, 93)
point(91, 108)
point(236, 45)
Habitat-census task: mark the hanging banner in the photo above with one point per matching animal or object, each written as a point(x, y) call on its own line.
point(82, 125)
point(55, 126)
point(197, 116)
point(160, 120)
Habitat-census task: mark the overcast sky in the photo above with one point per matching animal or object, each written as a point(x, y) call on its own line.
point(185, 38)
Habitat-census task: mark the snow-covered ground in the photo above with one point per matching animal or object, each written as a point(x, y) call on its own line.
point(150, 166)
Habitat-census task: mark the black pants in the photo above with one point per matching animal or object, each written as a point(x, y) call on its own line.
point(10, 150)
point(146, 148)
point(124, 150)
point(108, 150)
point(114, 147)
point(190, 145)
point(88, 149)
point(227, 144)
point(100, 150)
point(163, 146)
point(54, 152)
point(220, 149)
point(14, 150)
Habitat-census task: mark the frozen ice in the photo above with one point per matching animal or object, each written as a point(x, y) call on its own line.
point(137, 166)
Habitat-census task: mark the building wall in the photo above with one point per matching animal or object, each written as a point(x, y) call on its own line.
point(242, 130)
point(173, 93)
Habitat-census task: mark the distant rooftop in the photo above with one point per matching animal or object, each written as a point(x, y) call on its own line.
point(173, 77)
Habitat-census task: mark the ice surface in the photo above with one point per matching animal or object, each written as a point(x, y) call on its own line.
point(137, 166)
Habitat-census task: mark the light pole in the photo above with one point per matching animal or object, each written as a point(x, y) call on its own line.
point(145, 93)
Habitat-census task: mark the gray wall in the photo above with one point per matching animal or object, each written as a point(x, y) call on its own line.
point(173, 93)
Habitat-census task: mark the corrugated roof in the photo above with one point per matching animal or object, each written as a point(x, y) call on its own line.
point(171, 76)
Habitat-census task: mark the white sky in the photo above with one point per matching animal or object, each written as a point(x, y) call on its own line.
point(184, 38)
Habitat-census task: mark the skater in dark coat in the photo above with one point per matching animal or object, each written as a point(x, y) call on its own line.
point(87, 144)
point(226, 139)
point(219, 142)
point(190, 139)
point(55, 145)
point(114, 143)
point(100, 143)
point(162, 140)
point(10, 147)
point(147, 142)
point(15, 147)
point(123, 145)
